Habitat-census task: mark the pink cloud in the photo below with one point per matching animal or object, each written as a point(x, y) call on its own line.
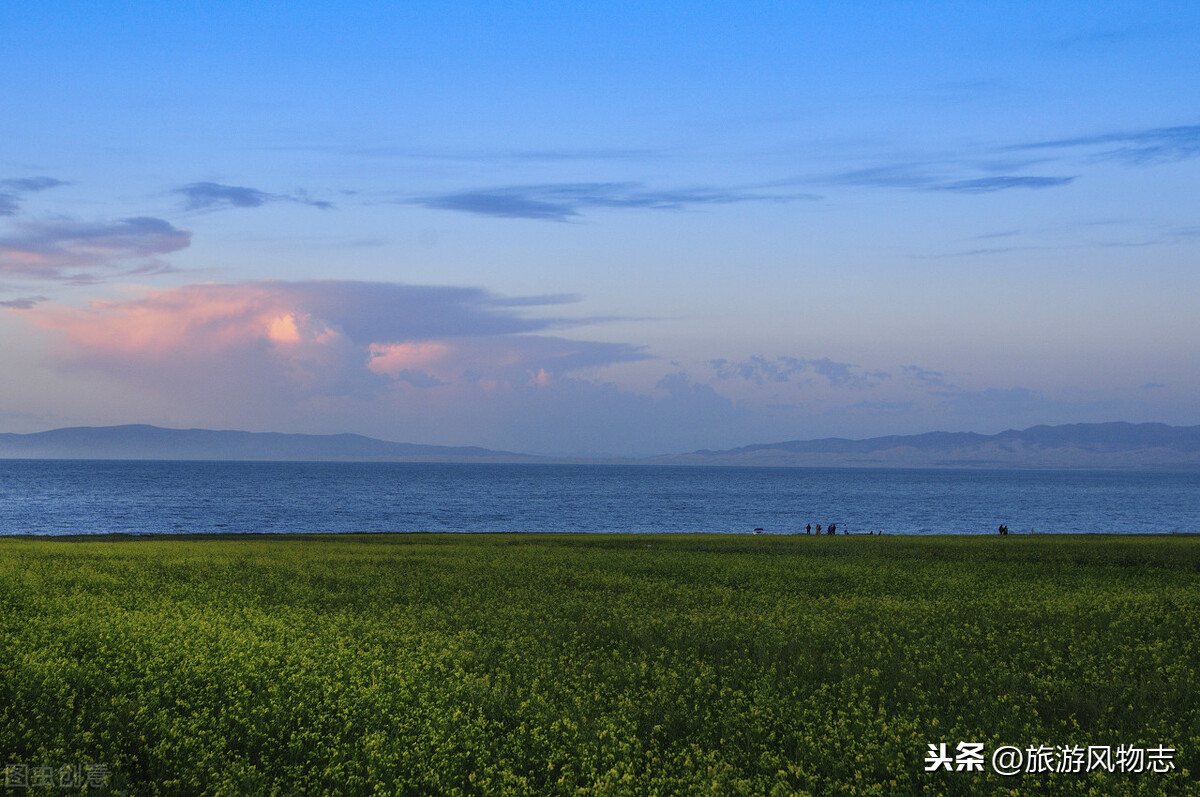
point(422, 363)
point(392, 358)
point(196, 320)
point(328, 336)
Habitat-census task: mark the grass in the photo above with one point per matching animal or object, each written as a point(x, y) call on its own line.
point(556, 664)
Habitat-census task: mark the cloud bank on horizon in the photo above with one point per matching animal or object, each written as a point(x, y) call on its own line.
point(325, 336)
point(594, 231)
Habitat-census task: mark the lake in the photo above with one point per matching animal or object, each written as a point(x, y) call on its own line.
point(94, 497)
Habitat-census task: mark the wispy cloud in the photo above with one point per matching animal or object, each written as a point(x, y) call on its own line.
point(1006, 166)
point(759, 369)
point(846, 374)
point(931, 176)
point(565, 201)
point(984, 185)
point(29, 184)
point(924, 376)
point(23, 303)
point(1135, 147)
point(64, 249)
point(12, 190)
point(982, 251)
point(214, 196)
point(763, 370)
point(504, 204)
point(895, 175)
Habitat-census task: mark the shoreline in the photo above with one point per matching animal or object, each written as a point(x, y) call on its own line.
point(117, 536)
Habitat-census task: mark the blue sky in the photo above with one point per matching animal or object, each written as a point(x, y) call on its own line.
point(611, 229)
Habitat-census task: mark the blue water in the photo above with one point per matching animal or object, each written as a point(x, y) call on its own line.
point(61, 497)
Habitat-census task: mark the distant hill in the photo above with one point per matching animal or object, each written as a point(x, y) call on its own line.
point(1105, 446)
point(1123, 446)
point(152, 442)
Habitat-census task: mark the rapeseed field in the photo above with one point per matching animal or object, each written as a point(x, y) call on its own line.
point(599, 664)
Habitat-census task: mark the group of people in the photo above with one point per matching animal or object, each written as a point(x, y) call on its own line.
point(832, 529)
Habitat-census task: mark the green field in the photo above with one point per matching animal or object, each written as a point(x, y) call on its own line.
point(480, 664)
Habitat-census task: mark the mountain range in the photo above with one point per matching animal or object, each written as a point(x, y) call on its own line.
point(140, 441)
point(1118, 446)
point(1121, 446)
